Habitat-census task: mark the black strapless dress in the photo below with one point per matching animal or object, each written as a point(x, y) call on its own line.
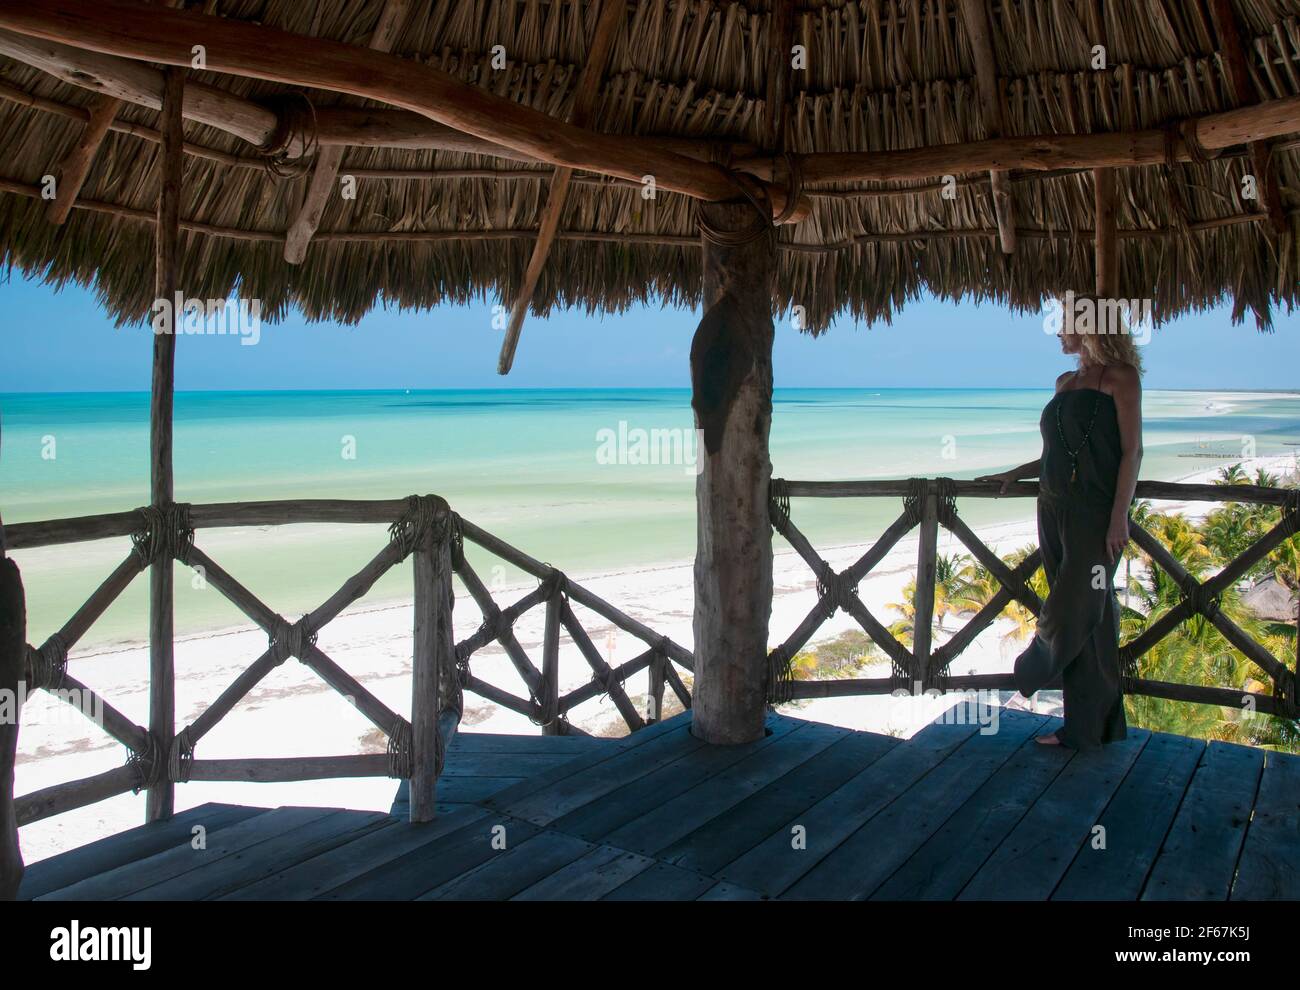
point(1076, 645)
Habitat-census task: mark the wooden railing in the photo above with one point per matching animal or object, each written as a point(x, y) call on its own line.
point(930, 503)
point(422, 527)
point(426, 529)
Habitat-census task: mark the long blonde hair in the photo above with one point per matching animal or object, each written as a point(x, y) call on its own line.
point(1106, 345)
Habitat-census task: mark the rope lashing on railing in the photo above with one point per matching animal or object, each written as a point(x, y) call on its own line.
point(1199, 596)
point(778, 503)
point(423, 523)
point(150, 766)
point(457, 539)
point(400, 757)
point(165, 532)
point(556, 583)
point(180, 760)
point(780, 676)
point(47, 666)
point(291, 639)
point(833, 591)
point(914, 500)
point(947, 492)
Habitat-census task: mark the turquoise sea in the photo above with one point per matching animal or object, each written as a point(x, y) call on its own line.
point(560, 473)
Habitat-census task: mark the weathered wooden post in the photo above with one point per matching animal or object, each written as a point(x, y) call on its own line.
point(433, 656)
point(658, 673)
point(162, 674)
point(923, 604)
point(731, 379)
point(550, 699)
point(13, 654)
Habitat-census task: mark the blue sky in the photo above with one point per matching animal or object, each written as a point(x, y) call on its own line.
point(62, 341)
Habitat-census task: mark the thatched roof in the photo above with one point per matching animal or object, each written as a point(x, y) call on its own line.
point(882, 74)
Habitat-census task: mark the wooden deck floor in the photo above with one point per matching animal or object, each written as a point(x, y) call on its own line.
point(810, 811)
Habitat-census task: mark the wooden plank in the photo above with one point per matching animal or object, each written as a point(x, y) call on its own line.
point(516, 869)
point(737, 830)
point(590, 878)
point(1270, 860)
point(723, 891)
point(134, 844)
point(643, 796)
point(1105, 242)
point(772, 865)
point(563, 797)
point(663, 882)
point(979, 33)
point(687, 812)
point(641, 737)
point(255, 863)
point(344, 863)
point(503, 764)
point(1199, 857)
point(486, 742)
point(1136, 822)
point(950, 857)
point(433, 641)
point(130, 877)
point(434, 863)
point(863, 861)
point(1035, 855)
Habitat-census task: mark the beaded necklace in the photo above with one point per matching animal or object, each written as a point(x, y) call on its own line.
point(1074, 454)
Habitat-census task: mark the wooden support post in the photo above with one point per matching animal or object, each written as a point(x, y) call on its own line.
point(731, 379)
point(1242, 92)
point(13, 655)
point(923, 611)
point(980, 34)
point(1107, 244)
point(162, 675)
point(434, 653)
point(656, 694)
point(550, 698)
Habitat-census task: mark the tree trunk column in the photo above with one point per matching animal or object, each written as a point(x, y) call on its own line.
point(731, 379)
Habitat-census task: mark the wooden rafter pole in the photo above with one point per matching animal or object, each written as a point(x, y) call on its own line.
point(135, 30)
point(1106, 241)
point(1044, 152)
point(1242, 92)
point(979, 32)
point(323, 178)
point(587, 91)
point(70, 174)
point(162, 674)
point(363, 127)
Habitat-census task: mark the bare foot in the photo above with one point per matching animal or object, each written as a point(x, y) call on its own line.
point(1049, 740)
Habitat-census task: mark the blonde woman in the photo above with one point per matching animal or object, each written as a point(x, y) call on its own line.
point(1092, 447)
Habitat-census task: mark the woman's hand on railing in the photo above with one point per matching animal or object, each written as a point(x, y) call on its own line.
point(1005, 477)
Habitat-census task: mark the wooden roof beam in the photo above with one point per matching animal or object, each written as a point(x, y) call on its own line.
point(1242, 91)
point(136, 30)
point(141, 84)
point(980, 35)
point(587, 91)
point(1046, 152)
point(329, 158)
point(70, 174)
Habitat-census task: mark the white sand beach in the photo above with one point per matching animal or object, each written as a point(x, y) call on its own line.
point(293, 713)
